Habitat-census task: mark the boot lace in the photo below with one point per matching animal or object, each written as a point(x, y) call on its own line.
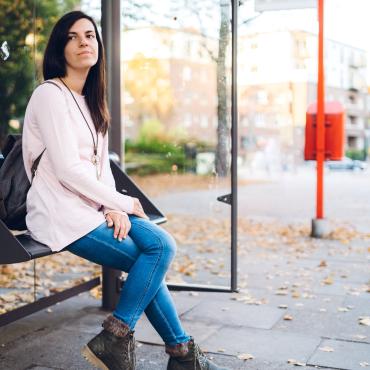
point(200, 357)
point(131, 349)
point(128, 354)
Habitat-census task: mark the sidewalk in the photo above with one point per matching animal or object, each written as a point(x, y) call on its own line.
point(302, 302)
point(308, 308)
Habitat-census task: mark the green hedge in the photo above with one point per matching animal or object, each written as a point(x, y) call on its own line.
point(359, 154)
point(153, 156)
point(157, 150)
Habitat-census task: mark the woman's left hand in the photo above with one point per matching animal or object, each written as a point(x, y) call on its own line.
point(121, 223)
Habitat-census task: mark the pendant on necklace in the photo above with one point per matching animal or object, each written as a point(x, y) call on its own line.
point(95, 159)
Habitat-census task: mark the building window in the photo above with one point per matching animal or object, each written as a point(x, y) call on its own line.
point(215, 122)
point(186, 73)
point(244, 121)
point(247, 142)
point(188, 48)
point(352, 142)
point(300, 64)
point(262, 97)
point(187, 119)
point(301, 47)
point(204, 121)
point(352, 99)
point(259, 120)
point(352, 120)
point(204, 75)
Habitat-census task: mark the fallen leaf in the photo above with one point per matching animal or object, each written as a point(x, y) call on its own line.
point(364, 320)
point(296, 294)
point(342, 309)
point(328, 280)
point(281, 292)
point(295, 362)
point(359, 336)
point(326, 349)
point(245, 356)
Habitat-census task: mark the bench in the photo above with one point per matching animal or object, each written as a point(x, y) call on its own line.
point(17, 247)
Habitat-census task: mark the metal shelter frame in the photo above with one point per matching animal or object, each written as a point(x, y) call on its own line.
point(111, 29)
point(22, 248)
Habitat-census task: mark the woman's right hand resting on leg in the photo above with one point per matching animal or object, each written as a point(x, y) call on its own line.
point(121, 223)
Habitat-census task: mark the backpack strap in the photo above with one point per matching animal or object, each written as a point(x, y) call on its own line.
point(37, 160)
point(35, 164)
point(51, 82)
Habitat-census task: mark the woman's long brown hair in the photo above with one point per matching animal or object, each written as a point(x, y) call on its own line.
point(54, 65)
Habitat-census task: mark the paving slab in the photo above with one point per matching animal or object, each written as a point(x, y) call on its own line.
point(303, 302)
point(337, 288)
point(145, 333)
point(269, 345)
point(54, 349)
point(151, 358)
point(234, 313)
point(346, 254)
point(361, 302)
point(339, 325)
point(344, 355)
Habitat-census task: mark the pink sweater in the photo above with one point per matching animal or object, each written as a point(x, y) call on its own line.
point(65, 201)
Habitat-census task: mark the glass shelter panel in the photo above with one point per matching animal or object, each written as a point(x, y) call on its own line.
point(176, 104)
point(24, 30)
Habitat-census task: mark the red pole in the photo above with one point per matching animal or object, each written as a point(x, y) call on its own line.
point(320, 131)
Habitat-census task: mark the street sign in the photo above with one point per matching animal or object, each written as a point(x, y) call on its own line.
point(266, 5)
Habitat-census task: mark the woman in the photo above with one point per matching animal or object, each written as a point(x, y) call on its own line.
point(73, 204)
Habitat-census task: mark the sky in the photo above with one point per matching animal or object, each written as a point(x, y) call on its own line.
point(347, 21)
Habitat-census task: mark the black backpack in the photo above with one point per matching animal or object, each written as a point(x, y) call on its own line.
point(14, 184)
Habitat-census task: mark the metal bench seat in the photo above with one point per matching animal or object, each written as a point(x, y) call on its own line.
point(20, 247)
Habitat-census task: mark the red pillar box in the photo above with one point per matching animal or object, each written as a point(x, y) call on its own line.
point(334, 132)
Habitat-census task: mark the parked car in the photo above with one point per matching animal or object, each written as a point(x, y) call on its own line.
point(346, 164)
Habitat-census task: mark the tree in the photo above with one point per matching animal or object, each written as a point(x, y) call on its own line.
point(16, 73)
point(202, 14)
point(25, 27)
point(222, 164)
point(222, 149)
point(148, 82)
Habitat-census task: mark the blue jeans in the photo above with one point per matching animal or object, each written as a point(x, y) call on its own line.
point(145, 254)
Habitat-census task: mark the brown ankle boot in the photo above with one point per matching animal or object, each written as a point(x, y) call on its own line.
point(113, 348)
point(188, 356)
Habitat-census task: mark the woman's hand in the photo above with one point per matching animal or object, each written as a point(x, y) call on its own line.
point(121, 223)
point(138, 209)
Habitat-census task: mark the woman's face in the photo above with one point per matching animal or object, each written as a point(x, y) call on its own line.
point(81, 50)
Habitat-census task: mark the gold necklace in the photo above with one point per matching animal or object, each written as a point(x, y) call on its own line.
point(95, 158)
